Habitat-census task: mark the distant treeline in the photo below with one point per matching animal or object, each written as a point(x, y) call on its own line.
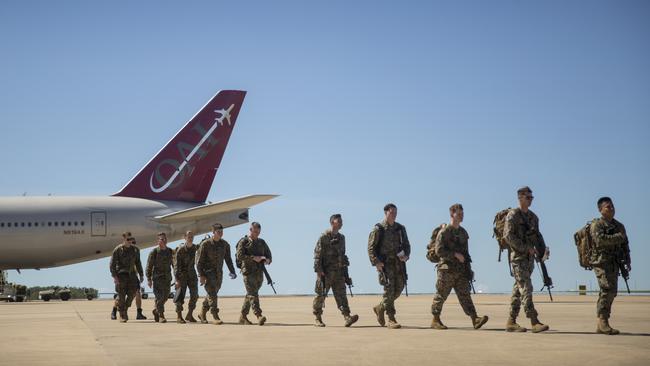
point(75, 292)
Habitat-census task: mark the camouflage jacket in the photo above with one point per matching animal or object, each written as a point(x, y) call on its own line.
point(211, 256)
point(126, 260)
point(386, 241)
point(609, 239)
point(521, 232)
point(159, 264)
point(247, 248)
point(449, 241)
point(184, 262)
point(329, 254)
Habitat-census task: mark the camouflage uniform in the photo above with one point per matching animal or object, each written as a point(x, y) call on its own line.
point(186, 276)
point(252, 271)
point(330, 258)
point(609, 238)
point(209, 263)
point(126, 266)
point(393, 240)
point(452, 273)
point(159, 271)
point(521, 232)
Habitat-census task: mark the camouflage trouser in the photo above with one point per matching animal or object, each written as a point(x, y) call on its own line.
point(448, 279)
point(607, 275)
point(393, 284)
point(161, 289)
point(212, 286)
point(522, 290)
point(193, 284)
point(252, 282)
point(126, 289)
point(337, 283)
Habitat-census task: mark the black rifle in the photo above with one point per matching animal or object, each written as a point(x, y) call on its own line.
point(269, 281)
point(622, 261)
point(348, 281)
point(548, 281)
point(531, 233)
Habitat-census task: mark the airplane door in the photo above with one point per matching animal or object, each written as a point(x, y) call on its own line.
point(98, 223)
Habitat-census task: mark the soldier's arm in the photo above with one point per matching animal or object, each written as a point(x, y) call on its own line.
point(150, 263)
point(200, 259)
point(604, 240)
point(138, 264)
point(373, 242)
point(441, 246)
point(406, 245)
point(241, 255)
point(113, 265)
point(510, 234)
point(626, 246)
point(179, 263)
point(318, 267)
point(267, 251)
point(231, 267)
point(540, 244)
point(346, 260)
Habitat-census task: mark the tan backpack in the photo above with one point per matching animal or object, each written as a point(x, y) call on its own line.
point(431, 252)
point(584, 245)
point(499, 225)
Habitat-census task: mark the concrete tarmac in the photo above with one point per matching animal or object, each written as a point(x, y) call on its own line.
point(81, 333)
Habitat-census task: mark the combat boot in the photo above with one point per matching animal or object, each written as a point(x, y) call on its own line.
point(140, 316)
point(379, 311)
point(114, 313)
point(436, 323)
point(243, 319)
point(392, 322)
point(537, 326)
point(189, 316)
point(261, 319)
point(319, 321)
point(162, 317)
point(217, 320)
point(123, 317)
point(512, 326)
point(179, 317)
point(479, 321)
point(604, 327)
point(156, 318)
point(202, 316)
point(351, 319)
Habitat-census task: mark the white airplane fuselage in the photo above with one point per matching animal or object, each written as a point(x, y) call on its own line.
point(41, 232)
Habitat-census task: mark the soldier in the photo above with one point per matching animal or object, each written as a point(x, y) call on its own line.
point(252, 254)
point(331, 267)
point(454, 269)
point(611, 247)
point(159, 275)
point(125, 267)
point(211, 255)
point(185, 276)
point(521, 232)
point(138, 293)
point(389, 249)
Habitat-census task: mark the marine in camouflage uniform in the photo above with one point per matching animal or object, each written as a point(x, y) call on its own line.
point(388, 250)
point(125, 267)
point(211, 255)
point(159, 273)
point(454, 269)
point(252, 254)
point(611, 247)
point(331, 267)
point(185, 276)
point(126, 236)
point(521, 232)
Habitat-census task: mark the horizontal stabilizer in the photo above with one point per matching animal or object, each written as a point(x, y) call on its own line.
point(197, 213)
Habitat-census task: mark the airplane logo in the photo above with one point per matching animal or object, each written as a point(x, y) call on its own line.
point(218, 121)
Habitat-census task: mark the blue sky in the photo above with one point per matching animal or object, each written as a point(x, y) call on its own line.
point(350, 105)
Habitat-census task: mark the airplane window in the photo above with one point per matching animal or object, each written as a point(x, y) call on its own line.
point(15, 224)
point(56, 223)
point(22, 224)
point(8, 224)
point(36, 224)
point(62, 223)
point(82, 223)
point(69, 223)
point(49, 223)
point(2, 224)
point(29, 224)
point(75, 223)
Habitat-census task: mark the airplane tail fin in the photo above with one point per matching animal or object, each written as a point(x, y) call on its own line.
point(184, 169)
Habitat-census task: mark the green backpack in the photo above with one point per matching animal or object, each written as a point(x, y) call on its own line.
point(431, 252)
point(499, 226)
point(585, 245)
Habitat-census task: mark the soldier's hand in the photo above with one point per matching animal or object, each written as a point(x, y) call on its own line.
point(116, 280)
point(177, 285)
point(460, 257)
point(232, 275)
point(532, 251)
point(202, 280)
point(547, 254)
point(258, 258)
point(379, 266)
point(267, 261)
point(149, 283)
point(629, 267)
point(348, 281)
point(321, 274)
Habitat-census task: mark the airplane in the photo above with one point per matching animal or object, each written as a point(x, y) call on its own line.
point(167, 195)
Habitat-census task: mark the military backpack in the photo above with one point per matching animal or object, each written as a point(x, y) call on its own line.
point(499, 226)
point(431, 250)
point(585, 245)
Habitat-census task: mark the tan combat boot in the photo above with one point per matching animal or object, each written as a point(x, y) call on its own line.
point(436, 323)
point(179, 317)
point(478, 322)
point(512, 326)
point(319, 321)
point(162, 317)
point(392, 322)
point(537, 326)
point(379, 311)
point(261, 319)
point(202, 316)
point(604, 327)
point(351, 319)
point(123, 317)
point(156, 318)
point(243, 319)
point(189, 316)
point(217, 320)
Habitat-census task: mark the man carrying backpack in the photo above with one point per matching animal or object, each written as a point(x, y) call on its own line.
point(611, 249)
point(451, 253)
point(521, 233)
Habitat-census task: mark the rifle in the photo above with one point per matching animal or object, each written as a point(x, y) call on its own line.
point(622, 262)
point(348, 281)
point(548, 281)
point(269, 281)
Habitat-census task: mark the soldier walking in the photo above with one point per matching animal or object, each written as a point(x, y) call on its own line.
point(138, 281)
point(125, 267)
point(159, 275)
point(252, 255)
point(185, 276)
